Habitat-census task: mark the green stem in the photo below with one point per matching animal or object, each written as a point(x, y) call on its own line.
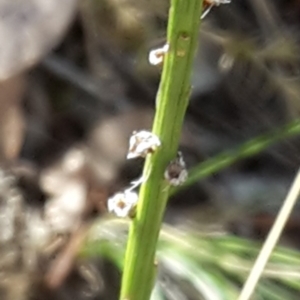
point(248, 149)
point(172, 100)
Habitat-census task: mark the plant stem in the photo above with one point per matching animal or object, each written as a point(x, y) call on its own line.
point(172, 100)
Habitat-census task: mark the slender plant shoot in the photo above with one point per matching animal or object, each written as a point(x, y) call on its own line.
point(171, 103)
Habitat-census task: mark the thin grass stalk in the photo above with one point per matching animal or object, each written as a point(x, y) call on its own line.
point(248, 149)
point(271, 240)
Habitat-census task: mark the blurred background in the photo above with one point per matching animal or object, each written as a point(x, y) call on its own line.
point(75, 82)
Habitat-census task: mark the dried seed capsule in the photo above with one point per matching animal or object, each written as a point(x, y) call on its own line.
point(176, 172)
point(122, 204)
point(156, 56)
point(142, 143)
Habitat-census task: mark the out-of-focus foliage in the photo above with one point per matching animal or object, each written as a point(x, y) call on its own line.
point(194, 265)
point(29, 30)
point(65, 122)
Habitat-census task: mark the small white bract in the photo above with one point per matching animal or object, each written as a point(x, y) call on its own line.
point(219, 2)
point(176, 172)
point(209, 4)
point(142, 143)
point(136, 183)
point(122, 204)
point(156, 56)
